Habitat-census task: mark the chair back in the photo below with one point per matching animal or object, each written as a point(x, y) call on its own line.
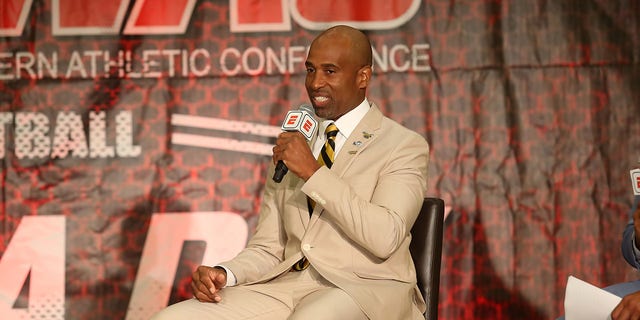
point(426, 251)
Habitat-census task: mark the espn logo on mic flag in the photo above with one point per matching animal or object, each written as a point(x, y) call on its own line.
point(300, 120)
point(635, 180)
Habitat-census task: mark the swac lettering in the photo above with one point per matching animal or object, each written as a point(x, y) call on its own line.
point(43, 238)
point(68, 17)
point(317, 15)
point(224, 233)
point(173, 16)
point(14, 18)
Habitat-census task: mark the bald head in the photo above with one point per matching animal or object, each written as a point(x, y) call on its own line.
point(354, 38)
point(338, 71)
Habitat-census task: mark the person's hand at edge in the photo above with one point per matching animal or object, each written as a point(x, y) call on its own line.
point(628, 308)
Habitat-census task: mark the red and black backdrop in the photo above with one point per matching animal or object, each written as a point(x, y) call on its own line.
point(134, 137)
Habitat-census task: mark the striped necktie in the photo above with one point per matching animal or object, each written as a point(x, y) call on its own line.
point(324, 159)
point(326, 154)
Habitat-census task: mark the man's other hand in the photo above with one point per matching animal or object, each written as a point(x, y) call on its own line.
point(207, 282)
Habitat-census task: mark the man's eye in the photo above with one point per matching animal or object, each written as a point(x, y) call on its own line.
point(310, 70)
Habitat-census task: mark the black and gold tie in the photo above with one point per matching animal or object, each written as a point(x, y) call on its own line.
point(324, 159)
point(326, 154)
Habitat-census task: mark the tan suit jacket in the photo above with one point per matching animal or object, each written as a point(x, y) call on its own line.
point(358, 236)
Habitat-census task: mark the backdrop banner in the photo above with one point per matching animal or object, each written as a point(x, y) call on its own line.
point(135, 137)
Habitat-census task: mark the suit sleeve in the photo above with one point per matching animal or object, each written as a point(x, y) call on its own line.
point(265, 250)
point(629, 251)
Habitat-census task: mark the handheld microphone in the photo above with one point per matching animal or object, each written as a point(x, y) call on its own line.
point(301, 120)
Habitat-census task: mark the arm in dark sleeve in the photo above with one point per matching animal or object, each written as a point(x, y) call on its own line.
point(630, 251)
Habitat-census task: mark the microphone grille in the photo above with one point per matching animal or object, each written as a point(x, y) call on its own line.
point(307, 108)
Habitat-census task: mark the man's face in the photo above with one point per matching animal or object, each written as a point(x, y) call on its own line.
point(335, 82)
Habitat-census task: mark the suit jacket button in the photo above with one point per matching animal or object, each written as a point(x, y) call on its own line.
point(306, 247)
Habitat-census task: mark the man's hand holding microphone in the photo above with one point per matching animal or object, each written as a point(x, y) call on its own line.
point(292, 151)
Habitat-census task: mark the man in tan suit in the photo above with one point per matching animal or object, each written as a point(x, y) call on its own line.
point(352, 252)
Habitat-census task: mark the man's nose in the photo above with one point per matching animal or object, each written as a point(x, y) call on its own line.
point(317, 81)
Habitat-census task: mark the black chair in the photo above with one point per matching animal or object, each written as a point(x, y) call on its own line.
point(426, 250)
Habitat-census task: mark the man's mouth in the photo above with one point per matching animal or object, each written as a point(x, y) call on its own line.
point(320, 100)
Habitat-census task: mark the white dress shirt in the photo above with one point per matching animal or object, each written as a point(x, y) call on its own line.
point(346, 124)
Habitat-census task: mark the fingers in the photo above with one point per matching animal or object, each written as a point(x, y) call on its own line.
point(278, 148)
point(219, 279)
point(628, 308)
point(207, 282)
point(292, 148)
point(285, 142)
point(200, 285)
point(199, 294)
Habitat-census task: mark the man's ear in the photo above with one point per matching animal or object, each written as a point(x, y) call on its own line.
point(364, 76)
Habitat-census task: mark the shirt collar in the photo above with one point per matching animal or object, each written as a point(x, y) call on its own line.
point(348, 121)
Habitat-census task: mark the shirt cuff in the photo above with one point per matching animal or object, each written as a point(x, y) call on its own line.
point(231, 278)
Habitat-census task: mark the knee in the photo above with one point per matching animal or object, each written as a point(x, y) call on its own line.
point(172, 312)
point(163, 314)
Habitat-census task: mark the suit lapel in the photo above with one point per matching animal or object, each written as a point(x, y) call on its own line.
point(361, 137)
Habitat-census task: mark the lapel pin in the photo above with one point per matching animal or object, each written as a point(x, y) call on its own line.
point(366, 135)
point(357, 143)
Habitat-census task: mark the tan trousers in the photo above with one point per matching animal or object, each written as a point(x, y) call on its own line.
point(295, 295)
